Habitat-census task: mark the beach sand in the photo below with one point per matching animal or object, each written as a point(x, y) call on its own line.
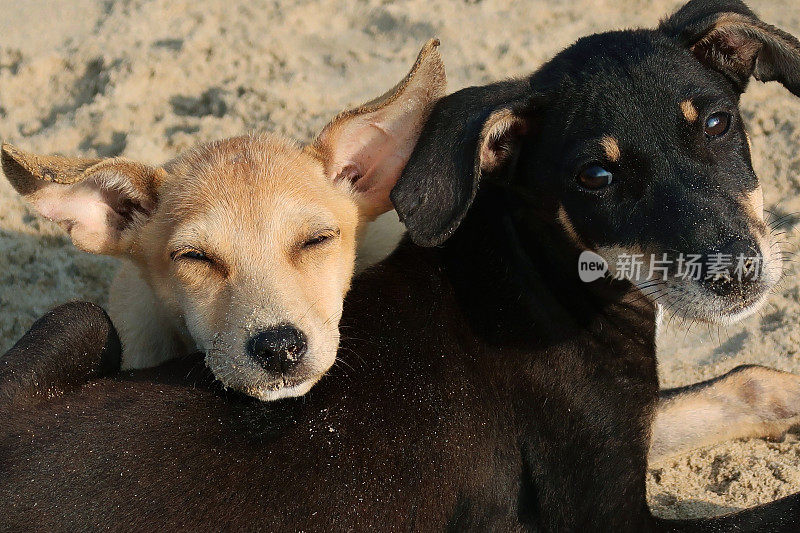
point(149, 78)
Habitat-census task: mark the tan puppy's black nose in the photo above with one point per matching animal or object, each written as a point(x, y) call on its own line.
point(278, 349)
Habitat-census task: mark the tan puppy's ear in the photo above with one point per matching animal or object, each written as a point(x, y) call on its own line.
point(370, 145)
point(98, 202)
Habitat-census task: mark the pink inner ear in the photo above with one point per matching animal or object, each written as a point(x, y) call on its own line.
point(371, 156)
point(376, 152)
point(369, 146)
point(84, 212)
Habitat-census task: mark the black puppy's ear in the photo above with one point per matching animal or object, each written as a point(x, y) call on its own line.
point(469, 133)
point(727, 36)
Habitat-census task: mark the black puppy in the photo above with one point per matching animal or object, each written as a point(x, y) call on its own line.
point(490, 388)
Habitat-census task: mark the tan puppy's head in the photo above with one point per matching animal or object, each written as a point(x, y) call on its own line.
point(249, 242)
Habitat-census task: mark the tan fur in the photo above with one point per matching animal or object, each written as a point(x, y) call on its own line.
point(501, 128)
point(384, 118)
point(690, 112)
point(249, 204)
point(51, 168)
point(754, 203)
point(569, 227)
point(611, 148)
point(748, 402)
point(76, 193)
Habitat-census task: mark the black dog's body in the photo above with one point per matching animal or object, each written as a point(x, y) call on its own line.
point(501, 419)
point(432, 428)
point(482, 386)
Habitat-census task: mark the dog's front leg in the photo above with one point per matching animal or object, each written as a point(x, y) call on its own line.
point(748, 401)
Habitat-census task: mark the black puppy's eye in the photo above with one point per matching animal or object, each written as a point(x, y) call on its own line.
point(717, 124)
point(595, 178)
point(191, 254)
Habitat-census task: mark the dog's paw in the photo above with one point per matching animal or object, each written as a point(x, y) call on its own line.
point(769, 395)
point(749, 401)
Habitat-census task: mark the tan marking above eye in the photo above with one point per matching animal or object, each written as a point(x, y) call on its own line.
point(690, 112)
point(611, 147)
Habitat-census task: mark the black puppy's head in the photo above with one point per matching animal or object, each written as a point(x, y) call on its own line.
point(634, 142)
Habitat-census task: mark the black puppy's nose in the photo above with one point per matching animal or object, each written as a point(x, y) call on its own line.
point(278, 349)
point(734, 268)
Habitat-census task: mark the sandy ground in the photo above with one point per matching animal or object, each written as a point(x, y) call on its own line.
point(148, 78)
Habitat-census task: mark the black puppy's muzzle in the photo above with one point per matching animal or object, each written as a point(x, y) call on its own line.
point(734, 270)
point(278, 349)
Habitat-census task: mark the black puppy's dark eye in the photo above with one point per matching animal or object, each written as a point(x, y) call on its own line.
point(595, 178)
point(718, 124)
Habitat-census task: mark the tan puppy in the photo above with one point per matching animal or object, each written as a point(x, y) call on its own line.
point(242, 248)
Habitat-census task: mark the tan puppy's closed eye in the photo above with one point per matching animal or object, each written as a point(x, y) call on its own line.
point(242, 248)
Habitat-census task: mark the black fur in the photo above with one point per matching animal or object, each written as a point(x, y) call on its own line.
point(771, 56)
point(65, 348)
point(482, 386)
